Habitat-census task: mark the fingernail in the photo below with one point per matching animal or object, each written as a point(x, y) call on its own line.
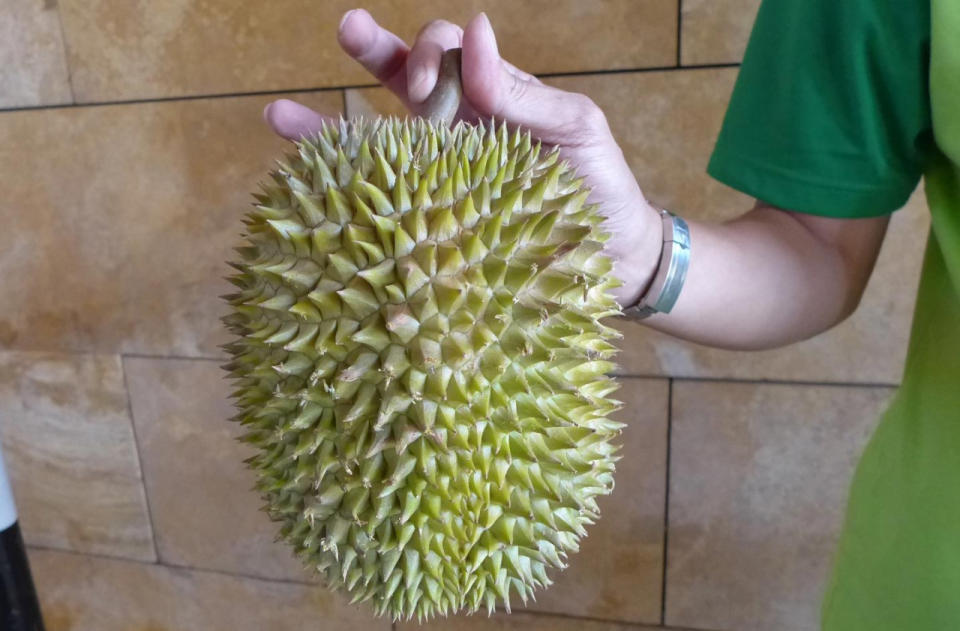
point(266, 111)
point(346, 15)
point(486, 22)
point(488, 29)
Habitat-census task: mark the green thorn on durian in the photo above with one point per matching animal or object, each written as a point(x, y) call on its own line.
point(373, 335)
point(386, 227)
point(466, 213)
point(322, 175)
point(401, 196)
point(360, 301)
point(338, 209)
point(311, 209)
point(412, 275)
point(399, 322)
point(444, 194)
point(384, 179)
point(344, 171)
point(379, 275)
point(325, 238)
point(421, 196)
point(281, 301)
point(381, 203)
point(403, 243)
point(425, 254)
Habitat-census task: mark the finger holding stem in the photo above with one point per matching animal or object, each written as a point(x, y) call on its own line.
point(444, 101)
point(423, 62)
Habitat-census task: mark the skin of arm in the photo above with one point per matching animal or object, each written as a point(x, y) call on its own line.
point(771, 277)
point(765, 279)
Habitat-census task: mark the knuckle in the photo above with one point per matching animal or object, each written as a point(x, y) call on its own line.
point(590, 113)
point(437, 26)
point(427, 27)
point(589, 121)
point(518, 87)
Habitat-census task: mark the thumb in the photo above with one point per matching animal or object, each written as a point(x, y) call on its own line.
point(496, 88)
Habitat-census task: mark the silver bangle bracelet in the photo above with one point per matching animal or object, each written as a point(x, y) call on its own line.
point(671, 270)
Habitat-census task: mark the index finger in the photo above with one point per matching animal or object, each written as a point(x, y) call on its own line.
point(382, 53)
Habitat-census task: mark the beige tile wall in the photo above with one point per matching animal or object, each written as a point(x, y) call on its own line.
point(758, 480)
point(715, 31)
point(33, 66)
point(120, 50)
point(116, 219)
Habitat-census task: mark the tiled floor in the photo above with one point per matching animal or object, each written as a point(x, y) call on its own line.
point(130, 146)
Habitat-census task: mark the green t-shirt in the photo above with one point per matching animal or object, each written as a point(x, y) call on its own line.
point(839, 108)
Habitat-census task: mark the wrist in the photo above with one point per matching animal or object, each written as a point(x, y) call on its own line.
point(637, 263)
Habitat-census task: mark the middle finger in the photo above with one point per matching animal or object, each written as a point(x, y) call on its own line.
point(423, 61)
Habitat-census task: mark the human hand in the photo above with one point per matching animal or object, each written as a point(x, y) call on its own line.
point(492, 87)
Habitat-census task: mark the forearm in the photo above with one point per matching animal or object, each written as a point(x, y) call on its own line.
point(768, 279)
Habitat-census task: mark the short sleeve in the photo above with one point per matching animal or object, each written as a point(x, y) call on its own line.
point(830, 112)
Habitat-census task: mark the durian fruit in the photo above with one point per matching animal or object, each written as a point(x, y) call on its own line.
point(421, 364)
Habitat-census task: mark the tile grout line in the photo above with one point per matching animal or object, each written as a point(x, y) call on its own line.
point(143, 473)
point(649, 69)
point(66, 53)
point(188, 97)
point(101, 556)
point(189, 358)
point(360, 86)
point(666, 506)
point(616, 375)
point(172, 566)
point(628, 623)
point(679, 31)
point(243, 575)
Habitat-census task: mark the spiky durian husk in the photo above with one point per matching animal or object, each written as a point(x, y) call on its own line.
point(421, 364)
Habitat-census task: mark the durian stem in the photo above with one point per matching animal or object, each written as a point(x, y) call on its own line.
point(444, 101)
